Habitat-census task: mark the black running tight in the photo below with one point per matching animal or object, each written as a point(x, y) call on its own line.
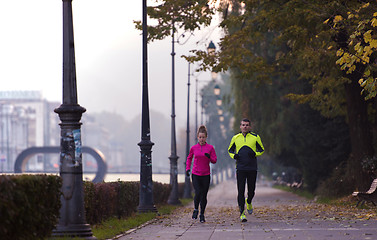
point(242, 177)
point(201, 186)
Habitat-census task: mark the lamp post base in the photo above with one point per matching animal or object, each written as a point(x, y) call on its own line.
point(144, 209)
point(174, 202)
point(187, 190)
point(173, 197)
point(74, 230)
point(146, 184)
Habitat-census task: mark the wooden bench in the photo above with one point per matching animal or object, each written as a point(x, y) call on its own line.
point(370, 195)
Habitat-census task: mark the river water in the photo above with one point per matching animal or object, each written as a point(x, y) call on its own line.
point(113, 177)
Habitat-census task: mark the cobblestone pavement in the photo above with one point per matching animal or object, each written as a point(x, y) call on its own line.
point(277, 215)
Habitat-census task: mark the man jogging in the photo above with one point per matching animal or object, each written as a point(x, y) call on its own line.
point(244, 148)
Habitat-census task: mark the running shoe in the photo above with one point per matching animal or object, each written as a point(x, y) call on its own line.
point(202, 219)
point(249, 207)
point(195, 214)
point(243, 217)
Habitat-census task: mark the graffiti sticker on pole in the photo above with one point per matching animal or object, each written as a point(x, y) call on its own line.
point(77, 139)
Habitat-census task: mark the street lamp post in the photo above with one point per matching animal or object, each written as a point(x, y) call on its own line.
point(211, 49)
point(196, 105)
point(72, 221)
point(146, 184)
point(173, 197)
point(202, 110)
point(216, 92)
point(187, 190)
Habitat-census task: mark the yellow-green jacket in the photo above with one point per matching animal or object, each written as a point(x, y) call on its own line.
point(245, 149)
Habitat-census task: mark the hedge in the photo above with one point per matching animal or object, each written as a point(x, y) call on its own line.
point(120, 199)
point(29, 206)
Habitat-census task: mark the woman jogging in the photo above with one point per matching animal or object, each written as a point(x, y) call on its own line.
point(203, 154)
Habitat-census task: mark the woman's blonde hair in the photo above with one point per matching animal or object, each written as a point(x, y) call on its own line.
point(202, 129)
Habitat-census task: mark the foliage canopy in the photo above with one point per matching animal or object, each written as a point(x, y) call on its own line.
point(319, 53)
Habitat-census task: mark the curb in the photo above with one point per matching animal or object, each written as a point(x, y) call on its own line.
point(134, 229)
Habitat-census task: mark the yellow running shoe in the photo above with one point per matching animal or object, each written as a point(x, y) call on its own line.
point(249, 207)
point(243, 217)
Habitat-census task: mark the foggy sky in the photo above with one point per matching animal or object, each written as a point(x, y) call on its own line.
point(108, 56)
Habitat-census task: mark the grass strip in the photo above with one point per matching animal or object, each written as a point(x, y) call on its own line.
point(300, 192)
point(113, 227)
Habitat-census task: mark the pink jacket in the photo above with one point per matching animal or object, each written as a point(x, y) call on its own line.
point(201, 162)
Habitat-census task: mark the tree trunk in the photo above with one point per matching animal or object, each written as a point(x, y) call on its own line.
point(360, 134)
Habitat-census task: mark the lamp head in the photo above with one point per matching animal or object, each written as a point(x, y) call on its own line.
point(216, 90)
point(211, 48)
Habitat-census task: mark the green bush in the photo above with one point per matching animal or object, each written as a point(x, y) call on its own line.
point(32, 203)
point(99, 201)
point(29, 203)
point(127, 202)
point(161, 192)
point(117, 199)
point(337, 185)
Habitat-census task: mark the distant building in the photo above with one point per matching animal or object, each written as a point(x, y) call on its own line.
point(26, 120)
point(95, 135)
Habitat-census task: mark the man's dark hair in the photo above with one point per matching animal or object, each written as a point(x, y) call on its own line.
point(245, 120)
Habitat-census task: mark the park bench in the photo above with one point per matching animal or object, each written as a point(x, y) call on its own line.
point(296, 184)
point(370, 195)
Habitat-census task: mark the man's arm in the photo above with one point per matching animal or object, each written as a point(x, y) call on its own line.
point(259, 147)
point(232, 148)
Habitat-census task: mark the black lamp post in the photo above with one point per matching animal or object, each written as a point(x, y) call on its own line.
point(173, 197)
point(72, 212)
point(216, 92)
point(196, 105)
point(146, 184)
point(187, 190)
point(202, 112)
point(211, 51)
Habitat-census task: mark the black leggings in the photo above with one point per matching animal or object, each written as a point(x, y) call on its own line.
point(251, 177)
point(201, 186)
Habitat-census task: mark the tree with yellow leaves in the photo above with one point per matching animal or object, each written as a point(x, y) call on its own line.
point(362, 46)
point(292, 43)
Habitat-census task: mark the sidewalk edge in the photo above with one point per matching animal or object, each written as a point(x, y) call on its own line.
point(134, 229)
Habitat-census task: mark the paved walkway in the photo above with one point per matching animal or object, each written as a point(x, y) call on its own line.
point(277, 215)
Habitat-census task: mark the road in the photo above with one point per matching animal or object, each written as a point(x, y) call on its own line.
point(277, 215)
